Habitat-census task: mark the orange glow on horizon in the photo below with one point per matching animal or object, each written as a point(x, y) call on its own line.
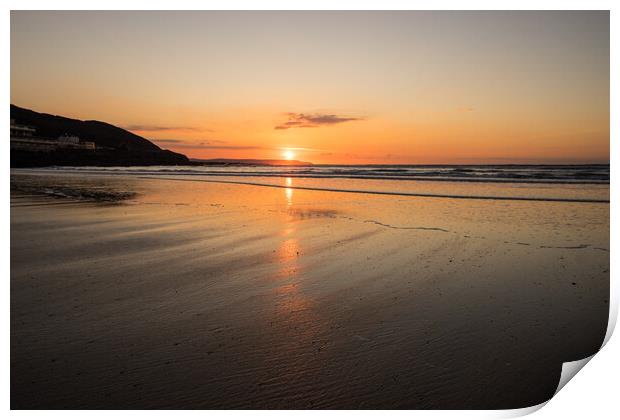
point(453, 137)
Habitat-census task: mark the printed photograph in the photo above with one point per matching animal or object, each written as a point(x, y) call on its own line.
point(306, 209)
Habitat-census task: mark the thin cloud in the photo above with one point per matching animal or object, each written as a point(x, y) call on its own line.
point(173, 141)
point(205, 144)
point(140, 127)
point(300, 149)
point(296, 120)
point(213, 146)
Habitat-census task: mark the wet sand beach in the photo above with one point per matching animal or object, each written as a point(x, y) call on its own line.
point(155, 293)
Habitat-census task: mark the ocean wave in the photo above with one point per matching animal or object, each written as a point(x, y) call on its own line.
point(567, 174)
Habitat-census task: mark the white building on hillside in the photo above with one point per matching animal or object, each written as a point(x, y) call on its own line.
point(67, 139)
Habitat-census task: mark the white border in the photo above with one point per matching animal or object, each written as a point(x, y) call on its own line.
point(593, 393)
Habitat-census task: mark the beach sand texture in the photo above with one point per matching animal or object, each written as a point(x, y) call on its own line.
point(206, 295)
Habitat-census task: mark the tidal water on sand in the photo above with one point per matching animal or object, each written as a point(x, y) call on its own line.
point(322, 287)
point(578, 183)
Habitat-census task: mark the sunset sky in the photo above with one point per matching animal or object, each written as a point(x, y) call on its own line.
point(328, 87)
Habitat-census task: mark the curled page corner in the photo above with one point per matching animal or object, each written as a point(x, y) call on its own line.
point(570, 369)
point(518, 412)
point(613, 314)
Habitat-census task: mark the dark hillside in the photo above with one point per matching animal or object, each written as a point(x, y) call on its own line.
point(102, 133)
point(115, 146)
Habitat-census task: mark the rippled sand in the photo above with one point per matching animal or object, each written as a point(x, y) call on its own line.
point(208, 295)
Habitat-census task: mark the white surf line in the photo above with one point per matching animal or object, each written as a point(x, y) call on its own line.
point(319, 176)
point(407, 194)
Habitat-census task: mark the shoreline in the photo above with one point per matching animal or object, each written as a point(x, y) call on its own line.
point(464, 189)
point(458, 197)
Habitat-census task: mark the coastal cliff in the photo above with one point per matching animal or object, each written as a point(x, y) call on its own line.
point(114, 145)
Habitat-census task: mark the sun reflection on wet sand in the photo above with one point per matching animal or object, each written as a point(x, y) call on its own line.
point(289, 250)
point(288, 192)
point(290, 296)
point(295, 310)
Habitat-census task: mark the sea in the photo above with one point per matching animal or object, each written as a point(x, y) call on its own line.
point(573, 183)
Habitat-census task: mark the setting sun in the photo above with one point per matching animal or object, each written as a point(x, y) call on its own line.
point(288, 154)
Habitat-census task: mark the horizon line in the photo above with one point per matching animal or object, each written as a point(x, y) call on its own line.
point(608, 163)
